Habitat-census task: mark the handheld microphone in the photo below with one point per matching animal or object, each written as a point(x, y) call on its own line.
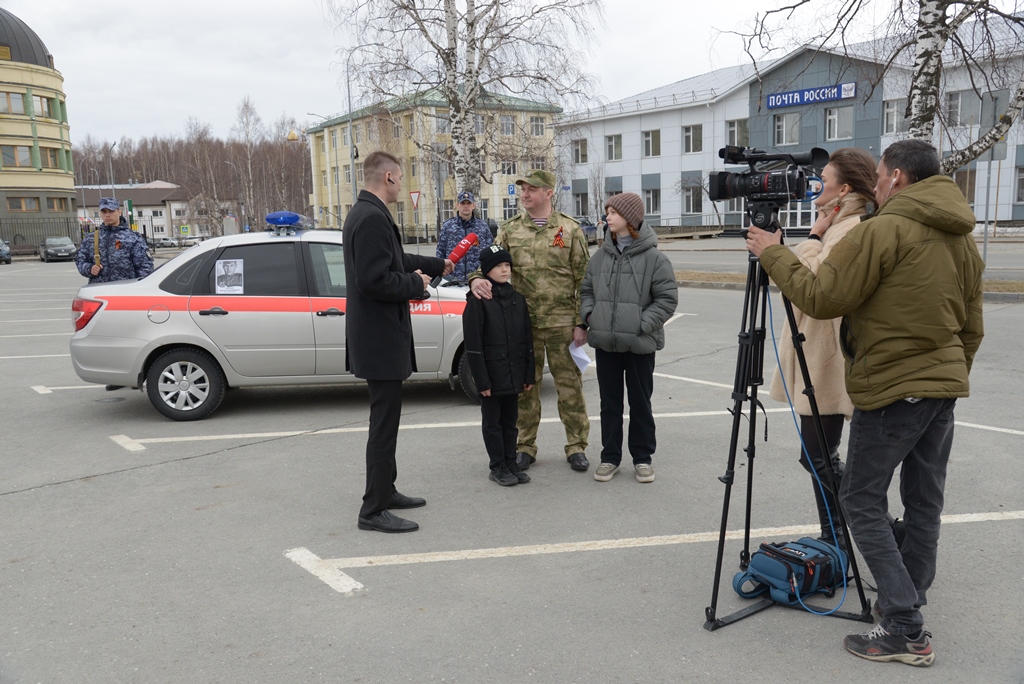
point(459, 252)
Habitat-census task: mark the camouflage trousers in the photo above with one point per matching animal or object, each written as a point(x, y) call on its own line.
point(572, 408)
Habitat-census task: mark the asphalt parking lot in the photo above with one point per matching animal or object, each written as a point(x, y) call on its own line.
point(137, 549)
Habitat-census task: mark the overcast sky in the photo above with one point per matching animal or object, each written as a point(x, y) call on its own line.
point(137, 68)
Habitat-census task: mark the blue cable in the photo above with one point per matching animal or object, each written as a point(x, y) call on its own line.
point(814, 471)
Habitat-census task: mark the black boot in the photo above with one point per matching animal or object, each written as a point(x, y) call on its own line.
point(513, 468)
point(502, 476)
point(839, 539)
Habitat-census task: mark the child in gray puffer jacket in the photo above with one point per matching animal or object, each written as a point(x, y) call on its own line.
point(627, 295)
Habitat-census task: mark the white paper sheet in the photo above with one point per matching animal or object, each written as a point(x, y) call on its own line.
point(579, 355)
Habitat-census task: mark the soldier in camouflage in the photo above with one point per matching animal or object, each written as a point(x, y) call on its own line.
point(550, 253)
point(122, 251)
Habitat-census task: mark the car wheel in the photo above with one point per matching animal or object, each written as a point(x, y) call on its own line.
point(185, 384)
point(466, 379)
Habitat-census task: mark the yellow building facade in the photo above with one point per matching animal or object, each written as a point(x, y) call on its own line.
point(37, 180)
point(515, 135)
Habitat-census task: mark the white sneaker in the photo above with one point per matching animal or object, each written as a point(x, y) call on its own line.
point(644, 472)
point(605, 472)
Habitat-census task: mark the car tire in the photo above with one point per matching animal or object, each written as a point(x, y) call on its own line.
point(205, 389)
point(466, 379)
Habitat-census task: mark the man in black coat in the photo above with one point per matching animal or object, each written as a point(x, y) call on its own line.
point(380, 280)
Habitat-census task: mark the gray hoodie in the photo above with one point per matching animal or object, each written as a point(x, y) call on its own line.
point(627, 298)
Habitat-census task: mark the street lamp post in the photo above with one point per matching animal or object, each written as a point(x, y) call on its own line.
point(110, 168)
point(351, 132)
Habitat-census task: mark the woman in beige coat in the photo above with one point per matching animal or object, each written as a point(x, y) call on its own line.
point(848, 182)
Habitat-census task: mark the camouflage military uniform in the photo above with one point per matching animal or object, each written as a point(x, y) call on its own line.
point(548, 265)
point(123, 254)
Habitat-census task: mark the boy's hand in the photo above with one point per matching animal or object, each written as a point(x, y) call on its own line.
point(485, 393)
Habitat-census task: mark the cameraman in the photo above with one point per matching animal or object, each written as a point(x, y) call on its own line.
point(908, 283)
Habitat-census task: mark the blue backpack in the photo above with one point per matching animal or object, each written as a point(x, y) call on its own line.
point(791, 570)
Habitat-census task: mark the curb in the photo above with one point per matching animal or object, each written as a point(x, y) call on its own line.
point(1004, 297)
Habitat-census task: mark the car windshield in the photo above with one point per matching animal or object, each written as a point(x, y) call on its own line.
point(59, 242)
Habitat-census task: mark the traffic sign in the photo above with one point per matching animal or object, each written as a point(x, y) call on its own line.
point(511, 188)
point(183, 230)
point(415, 195)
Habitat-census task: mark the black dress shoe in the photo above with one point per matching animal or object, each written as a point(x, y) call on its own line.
point(386, 522)
point(502, 476)
point(399, 500)
point(524, 460)
point(578, 461)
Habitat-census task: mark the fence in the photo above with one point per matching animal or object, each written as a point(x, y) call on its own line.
point(24, 235)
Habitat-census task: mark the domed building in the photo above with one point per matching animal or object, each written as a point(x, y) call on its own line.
point(37, 180)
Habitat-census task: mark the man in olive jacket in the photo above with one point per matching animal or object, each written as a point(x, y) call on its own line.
point(908, 284)
point(380, 279)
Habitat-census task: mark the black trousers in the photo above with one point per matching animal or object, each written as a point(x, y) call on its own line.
point(832, 425)
point(638, 370)
point(499, 427)
point(381, 470)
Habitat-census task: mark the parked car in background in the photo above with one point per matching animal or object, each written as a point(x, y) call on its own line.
point(493, 225)
point(191, 241)
point(164, 242)
point(5, 252)
point(57, 249)
point(589, 229)
point(244, 310)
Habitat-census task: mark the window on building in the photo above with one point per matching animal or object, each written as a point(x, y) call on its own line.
point(613, 144)
point(508, 124)
point(652, 143)
point(737, 132)
point(652, 201)
point(693, 200)
point(508, 208)
point(48, 157)
point(508, 168)
point(158, 213)
point(335, 176)
point(371, 129)
point(537, 125)
point(838, 123)
point(479, 124)
point(59, 204)
point(348, 173)
point(484, 206)
point(952, 110)
point(16, 155)
point(322, 143)
point(23, 203)
point(334, 138)
point(965, 180)
point(447, 209)
point(396, 130)
point(41, 106)
point(400, 213)
point(787, 129)
point(359, 173)
point(483, 165)
point(893, 120)
point(539, 163)
point(442, 122)
point(12, 103)
point(410, 124)
point(580, 202)
point(357, 133)
point(344, 137)
point(323, 177)
point(412, 166)
point(693, 139)
point(1020, 185)
point(579, 151)
point(179, 213)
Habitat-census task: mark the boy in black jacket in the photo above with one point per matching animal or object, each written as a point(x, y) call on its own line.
point(500, 348)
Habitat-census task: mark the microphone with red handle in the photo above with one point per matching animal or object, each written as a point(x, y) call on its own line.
point(459, 252)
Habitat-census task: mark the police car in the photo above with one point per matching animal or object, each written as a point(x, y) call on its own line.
point(244, 310)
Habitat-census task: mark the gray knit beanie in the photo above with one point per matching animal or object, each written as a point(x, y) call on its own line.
point(629, 206)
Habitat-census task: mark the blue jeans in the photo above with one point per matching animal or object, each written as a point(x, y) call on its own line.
point(916, 438)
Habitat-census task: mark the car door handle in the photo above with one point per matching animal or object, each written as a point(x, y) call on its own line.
point(215, 311)
point(331, 312)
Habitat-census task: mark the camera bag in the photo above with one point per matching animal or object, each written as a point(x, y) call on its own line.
point(789, 571)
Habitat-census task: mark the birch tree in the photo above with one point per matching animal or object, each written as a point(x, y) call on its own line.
point(464, 48)
point(920, 37)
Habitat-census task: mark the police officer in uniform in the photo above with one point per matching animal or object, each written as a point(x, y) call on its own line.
point(550, 253)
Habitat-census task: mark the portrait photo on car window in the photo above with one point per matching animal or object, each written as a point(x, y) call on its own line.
point(230, 276)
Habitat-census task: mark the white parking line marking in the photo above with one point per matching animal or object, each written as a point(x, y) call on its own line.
point(37, 320)
point(988, 427)
point(42, 389)
point(330, 570)
point(678, 315)
point(37, 356)
point(325, 571)
point(139, 444)
point(23, 300)
point(699, 382)
point(48, 308)
point(4, 337)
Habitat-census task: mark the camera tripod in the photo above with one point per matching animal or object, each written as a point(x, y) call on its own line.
point(749, 376)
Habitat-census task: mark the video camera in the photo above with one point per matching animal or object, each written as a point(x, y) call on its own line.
point(786, 182)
